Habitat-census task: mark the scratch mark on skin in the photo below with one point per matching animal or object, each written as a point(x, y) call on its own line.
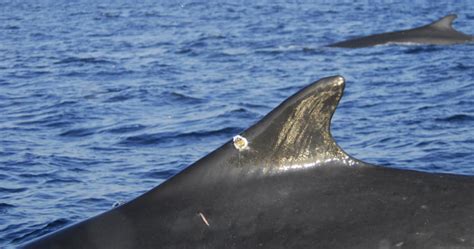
point(204, 218)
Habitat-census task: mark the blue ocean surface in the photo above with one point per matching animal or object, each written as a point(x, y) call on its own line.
point(100, 102)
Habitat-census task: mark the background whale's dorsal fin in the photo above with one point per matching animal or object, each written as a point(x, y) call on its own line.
point(444, 23)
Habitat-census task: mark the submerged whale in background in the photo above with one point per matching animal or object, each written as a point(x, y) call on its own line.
point(439, 32)
point(285, 183)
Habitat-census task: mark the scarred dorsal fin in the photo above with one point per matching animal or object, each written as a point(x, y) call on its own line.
point(297, 133)
point(444, 23)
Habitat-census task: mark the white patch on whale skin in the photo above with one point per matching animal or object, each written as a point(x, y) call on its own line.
point(240, 142)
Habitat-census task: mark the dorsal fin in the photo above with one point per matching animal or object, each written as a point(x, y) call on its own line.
point(444, 23)
point(293, 136)
point(297, 132)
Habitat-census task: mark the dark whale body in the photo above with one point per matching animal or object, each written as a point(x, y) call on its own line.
point(439, 32)
point(284, 183)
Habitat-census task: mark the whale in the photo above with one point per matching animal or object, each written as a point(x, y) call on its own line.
point(285, 183)
point(440, 32)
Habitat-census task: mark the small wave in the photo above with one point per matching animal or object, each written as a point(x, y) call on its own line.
point(313, 50)
point(111, 14)
point(126, 128)
point(79, 13)
point(419, 48)
point(12, 190)
point(40, 175)
point(59, 124)
point(88, 60)
point(204, 37)
point(101, 34)
point(5, 206)
point(463, 67)
point(234, 51)
point(289, 49)
point(11, 27)
point(65, 103)
point(186, 50)
point(118, 98)
point(73, 73)
point(271, 51)
point(28, 74)
point(149, 13)
point(81, 132)
point(428, 107)
point(114, 72)
point(238, 110)
point(456, 118)
point(108, 148)
point(197, 44)
point(182, 98)
point(62, 180)
point(148, 139)
point(92, 200)
point(429, 144)
point(4, 153)
point(50, 121)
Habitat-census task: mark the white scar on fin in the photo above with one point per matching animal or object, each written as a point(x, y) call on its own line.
point(203, 218)
point(240, 142)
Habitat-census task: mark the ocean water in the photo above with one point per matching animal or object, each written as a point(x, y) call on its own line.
point(100, 102)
